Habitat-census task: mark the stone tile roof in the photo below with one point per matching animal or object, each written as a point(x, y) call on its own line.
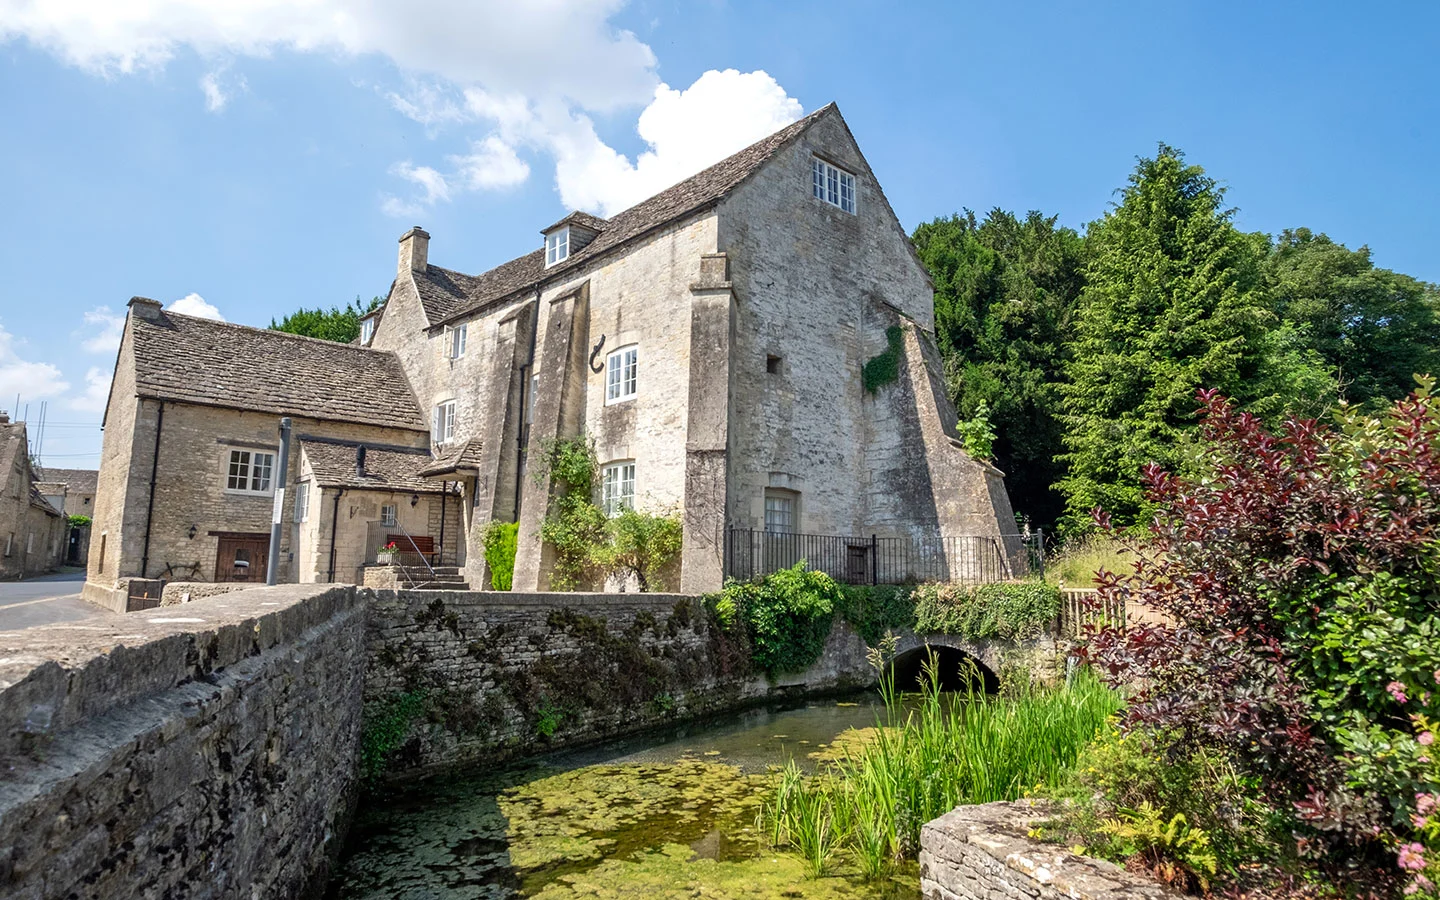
point(386, 468)
point(238, 367)
point(79, 481)
point(581, 218)
point(38, 501)
point(465, 456)
point(448, 295)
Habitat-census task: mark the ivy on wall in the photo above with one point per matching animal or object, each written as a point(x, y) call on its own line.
point(885, 368)
point(1007, 610)
point(588, 545)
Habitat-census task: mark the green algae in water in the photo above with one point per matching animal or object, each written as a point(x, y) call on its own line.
point(684, 827)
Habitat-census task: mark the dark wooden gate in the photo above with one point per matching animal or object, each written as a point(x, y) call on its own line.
point(242, 557)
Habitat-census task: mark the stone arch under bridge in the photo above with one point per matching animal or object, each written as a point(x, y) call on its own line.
point(1039, 654)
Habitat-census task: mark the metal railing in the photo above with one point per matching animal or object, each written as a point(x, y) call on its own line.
point(887, 560)
point(406, 558)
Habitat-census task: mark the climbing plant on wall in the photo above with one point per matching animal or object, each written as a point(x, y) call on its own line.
point(882, 369)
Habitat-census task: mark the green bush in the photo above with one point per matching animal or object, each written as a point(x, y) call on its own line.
point(787, 616)
point(1009, 610)
point(501, 539)
point(874, 610)
point(640, 544)
point(574, 526)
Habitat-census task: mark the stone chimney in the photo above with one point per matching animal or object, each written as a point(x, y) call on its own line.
point(4, 417)
point(414, 250)
point(145, 308)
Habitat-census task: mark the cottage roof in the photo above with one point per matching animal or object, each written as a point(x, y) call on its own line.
point(448, 295)
point(463, 457)
point(78, 481)
point(387, 468)
point(38, 501)
point(222, 364)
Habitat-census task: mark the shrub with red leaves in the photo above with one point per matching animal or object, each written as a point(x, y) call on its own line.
point(1301, 573)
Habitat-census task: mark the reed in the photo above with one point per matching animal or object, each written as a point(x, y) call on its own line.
point(925, 761)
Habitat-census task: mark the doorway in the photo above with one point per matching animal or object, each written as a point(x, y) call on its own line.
point(242, 557)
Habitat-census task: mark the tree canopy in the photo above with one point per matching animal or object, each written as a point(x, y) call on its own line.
point(333, 324)
point(1087, 352)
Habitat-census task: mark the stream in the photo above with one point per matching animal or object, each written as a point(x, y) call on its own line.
point(666, 814)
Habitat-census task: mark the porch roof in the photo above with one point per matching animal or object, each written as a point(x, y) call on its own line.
point(335, 464)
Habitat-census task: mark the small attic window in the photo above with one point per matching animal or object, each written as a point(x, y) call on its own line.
point(367, 331)
point(557, 246)
point(835, 186)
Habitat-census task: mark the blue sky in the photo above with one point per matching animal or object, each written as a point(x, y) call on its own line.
point(264, 155)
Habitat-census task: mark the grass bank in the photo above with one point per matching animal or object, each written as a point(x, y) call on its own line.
point(867, 808)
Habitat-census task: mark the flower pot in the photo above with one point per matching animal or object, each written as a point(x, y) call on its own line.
point(387, 557)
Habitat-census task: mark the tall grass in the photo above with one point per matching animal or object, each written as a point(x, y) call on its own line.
point(1077, 563)
point(925, 761)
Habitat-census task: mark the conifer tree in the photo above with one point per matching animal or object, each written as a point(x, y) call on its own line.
point(1173, 301)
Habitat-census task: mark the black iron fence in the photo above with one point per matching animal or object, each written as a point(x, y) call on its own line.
point(887, 560)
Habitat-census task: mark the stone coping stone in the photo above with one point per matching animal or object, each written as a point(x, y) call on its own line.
point(985, 851)
point(53, 677)
point(576, 600)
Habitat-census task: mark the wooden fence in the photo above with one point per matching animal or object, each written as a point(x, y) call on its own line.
point(1078, 608)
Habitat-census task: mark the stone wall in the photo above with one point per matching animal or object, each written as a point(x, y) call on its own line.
point(205, 751)
point(491, 675)
point(984, 852)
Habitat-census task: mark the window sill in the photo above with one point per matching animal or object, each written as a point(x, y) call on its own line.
point(231, 492)
point(618, 400)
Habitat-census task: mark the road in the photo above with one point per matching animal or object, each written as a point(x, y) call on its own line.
point(45, 601)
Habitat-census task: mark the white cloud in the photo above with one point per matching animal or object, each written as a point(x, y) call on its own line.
point(97, 391)
point(101, 333)
point(491, 164)
point(218, 88)
point(196, 305)
point(532, 73)
point(31, 381)
point(565, 48)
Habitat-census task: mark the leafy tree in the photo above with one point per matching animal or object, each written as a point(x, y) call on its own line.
point(1005, 295)
point(640, 544)
point(1173, 301)
point(334, 324)
point(1376, 329)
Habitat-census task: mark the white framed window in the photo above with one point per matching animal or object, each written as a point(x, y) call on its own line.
point(367, 330)
point(621, 374)
point(617, 488)
point(29, 543)
point(302, 501)
point(249, 472)
point(835, 186)
point(10, 544)
point(442, 424)
point(530, 399)
point(780, 512)
point(388, 516)
point(457, 341)
point(557, 246)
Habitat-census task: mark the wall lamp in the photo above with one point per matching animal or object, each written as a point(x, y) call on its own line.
point(192, 532)
point(414, 499)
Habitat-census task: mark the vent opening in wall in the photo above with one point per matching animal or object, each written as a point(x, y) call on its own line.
point(772, 364)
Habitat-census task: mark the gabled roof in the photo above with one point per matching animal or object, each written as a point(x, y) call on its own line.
point(386, 468)
point(78, 481)
point(580, 218)
point(211, 363)
point(465, 457)
point(449, 295)
point(38, 501)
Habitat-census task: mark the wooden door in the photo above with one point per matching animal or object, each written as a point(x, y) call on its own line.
point(242, 557)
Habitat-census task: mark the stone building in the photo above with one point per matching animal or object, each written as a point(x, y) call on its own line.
point(32, 532)
point(189, 470)
point(72, 491)
point(710, 342)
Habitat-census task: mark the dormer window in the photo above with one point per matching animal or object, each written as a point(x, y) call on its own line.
point(557, 246)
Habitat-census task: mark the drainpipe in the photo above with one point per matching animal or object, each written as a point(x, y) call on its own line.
point(150, 505)
point(444, 487)
point(334, 527)
point(278, 512)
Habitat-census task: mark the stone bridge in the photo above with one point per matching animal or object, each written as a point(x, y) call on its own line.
point(1041, 657)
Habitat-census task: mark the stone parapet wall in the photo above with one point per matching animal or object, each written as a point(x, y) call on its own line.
point(200, 751)
point(178, 592)
point(984, 852)
point(492, 675)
